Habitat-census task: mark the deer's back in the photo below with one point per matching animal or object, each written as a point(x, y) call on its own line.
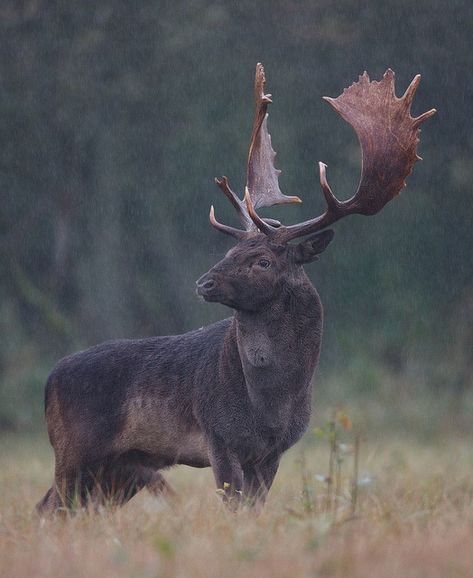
point(133, 395)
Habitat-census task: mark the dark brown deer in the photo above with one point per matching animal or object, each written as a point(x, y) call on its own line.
point(236, 394)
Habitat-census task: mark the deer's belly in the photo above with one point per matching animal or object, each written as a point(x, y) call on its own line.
point(156, 429)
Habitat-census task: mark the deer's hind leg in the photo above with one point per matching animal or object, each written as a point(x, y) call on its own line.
point(156, 484)
point(107, 486)
point(67, 494)
point(49, 504)
point(121, 482)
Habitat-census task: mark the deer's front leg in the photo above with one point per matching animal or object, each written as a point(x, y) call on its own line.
point(228, 473)
point(258, 479)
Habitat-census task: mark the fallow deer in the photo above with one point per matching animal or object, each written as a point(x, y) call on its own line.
point(234, 395)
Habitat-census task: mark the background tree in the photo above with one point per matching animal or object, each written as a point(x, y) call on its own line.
point(114, 119)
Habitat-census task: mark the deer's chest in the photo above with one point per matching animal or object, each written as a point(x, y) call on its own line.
point(258, 350)
point(272, 424)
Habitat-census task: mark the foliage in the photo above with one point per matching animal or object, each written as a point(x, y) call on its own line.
point(114, 119)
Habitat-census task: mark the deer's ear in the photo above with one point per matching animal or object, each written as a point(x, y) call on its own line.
point(310, 249)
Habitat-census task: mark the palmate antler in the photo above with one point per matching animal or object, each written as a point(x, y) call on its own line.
point(262, 184)
point(388, 137)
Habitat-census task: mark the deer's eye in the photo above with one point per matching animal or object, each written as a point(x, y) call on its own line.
point(264, 263)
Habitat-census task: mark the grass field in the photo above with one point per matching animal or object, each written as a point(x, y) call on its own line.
point(414, 518)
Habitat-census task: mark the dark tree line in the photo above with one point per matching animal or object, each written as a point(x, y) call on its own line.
point(114, 118)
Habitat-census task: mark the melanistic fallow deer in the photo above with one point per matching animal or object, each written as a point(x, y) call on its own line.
point(234, 395)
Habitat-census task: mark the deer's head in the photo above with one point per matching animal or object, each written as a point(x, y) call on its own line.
point(265, 259)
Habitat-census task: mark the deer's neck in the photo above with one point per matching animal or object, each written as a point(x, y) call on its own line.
point(279, 347)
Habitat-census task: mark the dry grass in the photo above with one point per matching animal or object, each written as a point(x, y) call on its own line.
point(414, 520)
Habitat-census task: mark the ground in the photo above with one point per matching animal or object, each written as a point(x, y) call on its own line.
point(413, 517)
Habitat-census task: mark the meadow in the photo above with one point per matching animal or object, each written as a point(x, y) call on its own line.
point(413, 515)
point(115, 118)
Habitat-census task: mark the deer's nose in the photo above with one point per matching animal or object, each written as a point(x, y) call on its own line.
point(205, 284)
point(208, 284)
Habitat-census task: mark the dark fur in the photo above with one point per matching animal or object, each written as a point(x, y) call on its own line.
point(233, 395)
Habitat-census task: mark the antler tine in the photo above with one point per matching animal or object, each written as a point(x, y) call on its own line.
point(333, 204)
point(236, 233)
point(388, 136)
point(235, 201)
point(418, 120)
point(262, 225)
point(407, 99)
point(223, 185)
point(408, 96)
point(332, 213)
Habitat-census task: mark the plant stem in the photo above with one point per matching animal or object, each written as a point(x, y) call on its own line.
point(354, 490)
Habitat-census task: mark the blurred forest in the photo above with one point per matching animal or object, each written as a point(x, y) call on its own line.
point(115, 116)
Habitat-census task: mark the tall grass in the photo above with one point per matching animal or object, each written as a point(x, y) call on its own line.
point(413, 516)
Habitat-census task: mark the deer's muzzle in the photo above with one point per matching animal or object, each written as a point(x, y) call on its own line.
point(206, 285)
